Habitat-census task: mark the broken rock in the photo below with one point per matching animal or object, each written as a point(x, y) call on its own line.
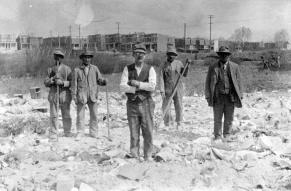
point(86, 187)
point(133, 171)
point(165, 154)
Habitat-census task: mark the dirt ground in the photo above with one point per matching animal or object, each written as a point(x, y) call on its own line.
point(257, 157)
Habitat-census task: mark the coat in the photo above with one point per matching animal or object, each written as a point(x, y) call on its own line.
point(86, 87)
point(64, 72)
point(169, 75)
point(212, 79)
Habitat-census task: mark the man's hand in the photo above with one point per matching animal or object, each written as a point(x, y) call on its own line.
point(59, 82)
point(52, 80)
point(133, 83)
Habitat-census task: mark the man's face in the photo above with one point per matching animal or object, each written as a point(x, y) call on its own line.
point(57, 58)
point(224, 57)
point(171, 57)
point(139, 57)
point(86, 60)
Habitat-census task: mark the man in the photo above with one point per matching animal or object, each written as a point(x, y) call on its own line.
point(59, 75)
point(85, 92)
point(138, 81)
point(170, 72)
point(223, 91)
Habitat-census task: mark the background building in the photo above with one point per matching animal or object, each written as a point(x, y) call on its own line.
point(96, 42)
point(8, 43)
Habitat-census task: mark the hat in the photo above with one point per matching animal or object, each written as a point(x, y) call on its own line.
point(139, 48)
point(86, 53)
point(172, 50)
point(223, 50)
point(59, 52)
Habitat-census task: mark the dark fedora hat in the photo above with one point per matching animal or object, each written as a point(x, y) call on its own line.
point(223, 50)
point(86, 54)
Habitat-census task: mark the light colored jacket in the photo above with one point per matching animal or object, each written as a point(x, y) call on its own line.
point(175, 70)
point(86, 87)
point(212, 79)
point(63, 72)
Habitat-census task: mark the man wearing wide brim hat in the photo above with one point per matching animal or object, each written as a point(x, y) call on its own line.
point(86, 54)
point(170, 72)
point(85, 83)
point(138, 81)
point(59, 75)
point(223, 92)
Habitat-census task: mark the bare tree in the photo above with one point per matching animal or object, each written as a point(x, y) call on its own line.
point(281, 37)
point(241, 35)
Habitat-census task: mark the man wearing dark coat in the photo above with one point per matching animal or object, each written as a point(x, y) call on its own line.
point(223, 91)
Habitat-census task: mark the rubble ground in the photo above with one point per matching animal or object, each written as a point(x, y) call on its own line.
point(256, 157)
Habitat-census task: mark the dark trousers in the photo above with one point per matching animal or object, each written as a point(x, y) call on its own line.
point(140, 117)
point(66, 117)
point(223, 107)
point(93, 125)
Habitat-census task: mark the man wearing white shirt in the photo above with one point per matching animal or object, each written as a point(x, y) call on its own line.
point(138, 81)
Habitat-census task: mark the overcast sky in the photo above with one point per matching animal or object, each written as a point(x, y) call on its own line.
point(263, 17)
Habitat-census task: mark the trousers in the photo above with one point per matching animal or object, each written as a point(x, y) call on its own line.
point(140, 117)
point(93, 125)
point(178, 97)
point(66, 117)
point(223, 107)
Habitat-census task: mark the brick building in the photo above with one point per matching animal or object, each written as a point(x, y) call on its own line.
point(8, 43)
point(96, 42)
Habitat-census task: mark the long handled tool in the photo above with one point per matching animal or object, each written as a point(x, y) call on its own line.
point(58, 101)
point(172, 95)
point(107, 104)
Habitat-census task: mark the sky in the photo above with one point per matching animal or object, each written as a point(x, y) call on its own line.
point(53, 17)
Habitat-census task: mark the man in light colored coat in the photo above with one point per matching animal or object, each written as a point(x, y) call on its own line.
point(86, 79)
point(59, 75)
point(138, 81)
point(223, 91)
point(170, 72)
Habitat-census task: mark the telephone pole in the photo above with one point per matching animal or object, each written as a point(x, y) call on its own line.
point(59, 40)
point(118, 43)
point(210, 23)
point(80, 37)
point(184, 37)
point(51, 36)
point(70, 30)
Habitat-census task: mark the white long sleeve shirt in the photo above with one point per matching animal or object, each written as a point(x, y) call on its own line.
point(147, 86)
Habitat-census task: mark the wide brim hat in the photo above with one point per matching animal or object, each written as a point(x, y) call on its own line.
point(140, 48)
point(86, 54)
point(172, 51)
point(223, 50)
point(59, 53)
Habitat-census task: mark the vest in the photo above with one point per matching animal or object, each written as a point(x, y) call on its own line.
point(139, 95)
point(223, 84)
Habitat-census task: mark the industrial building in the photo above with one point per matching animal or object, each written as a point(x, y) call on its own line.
point(66, 42)
point(8, 43)
point(96, 42)
point(158, 42)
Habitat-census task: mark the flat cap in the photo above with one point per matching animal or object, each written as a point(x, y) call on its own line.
point(172, 50)
point(223, 50)
point(139, 48)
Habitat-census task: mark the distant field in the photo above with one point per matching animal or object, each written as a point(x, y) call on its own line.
point(23, 70)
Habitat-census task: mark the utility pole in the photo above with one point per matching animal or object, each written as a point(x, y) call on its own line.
point(80, 37)
point(184, 37)
point(118, 43)
point(59, 40)
point(51, 35)
point(70, 30)
point(210, 23)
